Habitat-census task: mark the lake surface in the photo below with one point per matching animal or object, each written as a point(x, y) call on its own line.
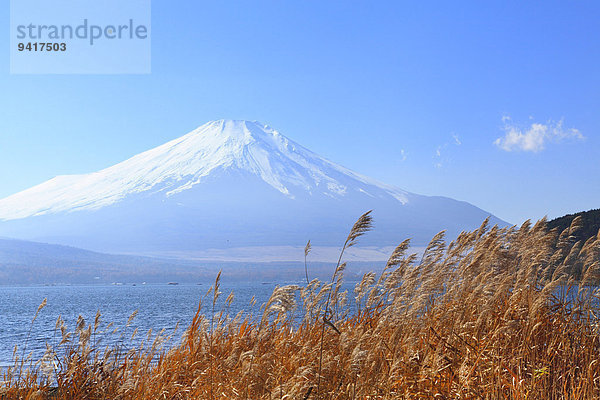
point(160, 306)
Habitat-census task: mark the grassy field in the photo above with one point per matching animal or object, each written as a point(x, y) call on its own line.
point(496, 314)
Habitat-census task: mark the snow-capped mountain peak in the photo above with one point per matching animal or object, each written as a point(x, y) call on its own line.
point(185, 162)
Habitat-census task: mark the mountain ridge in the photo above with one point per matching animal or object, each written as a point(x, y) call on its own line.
point(227, 184)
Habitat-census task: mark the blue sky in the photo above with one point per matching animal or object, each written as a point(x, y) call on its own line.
point(494, 103)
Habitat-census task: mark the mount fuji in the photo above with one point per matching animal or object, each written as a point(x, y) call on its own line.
point(226, 186)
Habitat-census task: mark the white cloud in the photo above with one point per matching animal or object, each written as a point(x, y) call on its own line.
point(440, 157)
point(535, 137)
point(402, 155)
point(456, 139)
point(438, 162)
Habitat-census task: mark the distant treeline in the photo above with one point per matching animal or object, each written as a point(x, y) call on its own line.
point(590, 224)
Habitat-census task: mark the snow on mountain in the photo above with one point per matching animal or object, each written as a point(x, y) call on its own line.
point(183, 163)
point(228, 184)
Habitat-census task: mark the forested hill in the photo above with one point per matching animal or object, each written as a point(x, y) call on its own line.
point(590, 226)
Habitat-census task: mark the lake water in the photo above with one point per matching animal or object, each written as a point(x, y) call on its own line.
point(159, 307)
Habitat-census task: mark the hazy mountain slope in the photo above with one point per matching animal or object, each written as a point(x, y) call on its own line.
point(24, 262)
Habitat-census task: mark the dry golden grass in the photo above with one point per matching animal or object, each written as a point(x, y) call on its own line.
point(497, 314)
